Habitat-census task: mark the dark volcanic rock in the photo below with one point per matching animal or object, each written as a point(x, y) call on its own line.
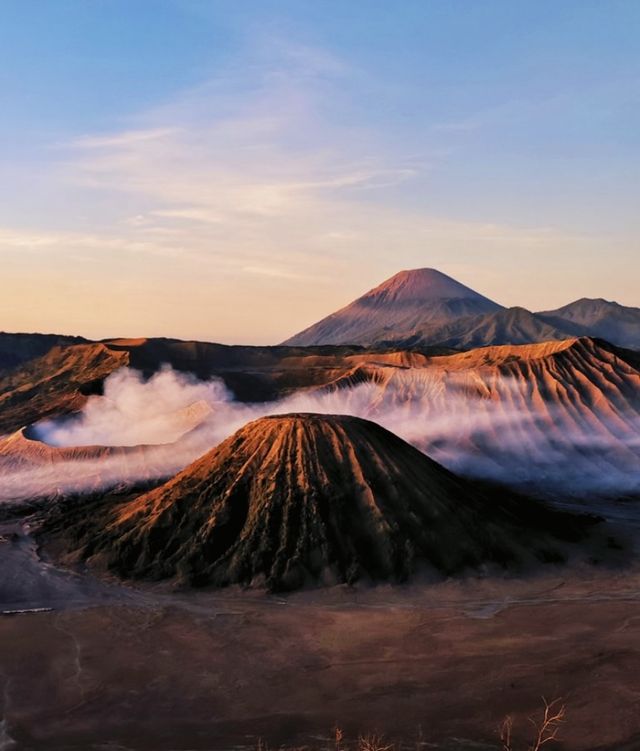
point(305, 499)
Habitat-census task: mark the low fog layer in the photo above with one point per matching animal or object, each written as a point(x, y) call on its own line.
point(495, 430)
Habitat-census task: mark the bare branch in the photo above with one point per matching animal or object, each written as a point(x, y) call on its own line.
point(506, 730)
point(548, 728)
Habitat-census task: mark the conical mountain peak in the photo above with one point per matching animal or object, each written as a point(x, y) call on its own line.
point(305, 499)
point(421, 286)
point(401, 307)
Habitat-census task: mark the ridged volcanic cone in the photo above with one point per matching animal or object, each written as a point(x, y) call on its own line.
point(304, 499)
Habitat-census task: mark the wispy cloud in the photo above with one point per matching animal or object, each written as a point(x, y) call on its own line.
point(251, 165)
point(124, 139)
point(264, 175)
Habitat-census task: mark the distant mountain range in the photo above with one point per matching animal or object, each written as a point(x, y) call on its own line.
point(425, 307)
point(421, 310)
point(607, 320)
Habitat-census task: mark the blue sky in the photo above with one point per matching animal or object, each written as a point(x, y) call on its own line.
point(233, 171)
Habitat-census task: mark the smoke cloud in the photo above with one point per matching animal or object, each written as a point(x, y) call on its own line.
point(136, 411)
point(149, 429)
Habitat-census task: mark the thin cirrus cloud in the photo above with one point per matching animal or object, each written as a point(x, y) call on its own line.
point(269, 155)
point(248, 207)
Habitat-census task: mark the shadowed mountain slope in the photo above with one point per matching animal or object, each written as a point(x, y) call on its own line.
point(505, 326)
point(564, 414)
point(55, 384)
point(398, 309)
point(17, 349)
point(556, 416)
point(426, 308)
point(60, 382)
point(304, 499)
point(616, 323)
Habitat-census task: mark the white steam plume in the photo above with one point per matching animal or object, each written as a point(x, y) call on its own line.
point(492, 431)
point(135, 411)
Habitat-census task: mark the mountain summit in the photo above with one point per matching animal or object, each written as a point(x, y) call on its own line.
point(424, 307)
point(420, 286)
point(300, 499)
point(399, 308)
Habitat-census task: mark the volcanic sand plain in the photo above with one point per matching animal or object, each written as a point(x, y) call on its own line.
point(147, 668)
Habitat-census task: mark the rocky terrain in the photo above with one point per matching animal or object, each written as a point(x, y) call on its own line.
point(561, 417)
point(410, 579)
point(303, 499)
point(60, 382)
point(18, 349)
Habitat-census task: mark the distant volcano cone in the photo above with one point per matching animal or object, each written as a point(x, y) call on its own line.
point(305, 499)
point(399, 309)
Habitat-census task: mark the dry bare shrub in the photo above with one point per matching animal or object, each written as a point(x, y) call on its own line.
point(506, 730)
point(373, 743)
point(546, 728)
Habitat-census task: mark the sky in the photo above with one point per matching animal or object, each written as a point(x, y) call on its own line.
point(234, 171)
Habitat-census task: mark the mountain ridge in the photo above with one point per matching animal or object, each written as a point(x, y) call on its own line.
point(423, 307)
point(548, 418)
point(597, 317)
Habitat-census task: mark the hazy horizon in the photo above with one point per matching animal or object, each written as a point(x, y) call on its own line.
point(233, 173)
point(141, 334)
